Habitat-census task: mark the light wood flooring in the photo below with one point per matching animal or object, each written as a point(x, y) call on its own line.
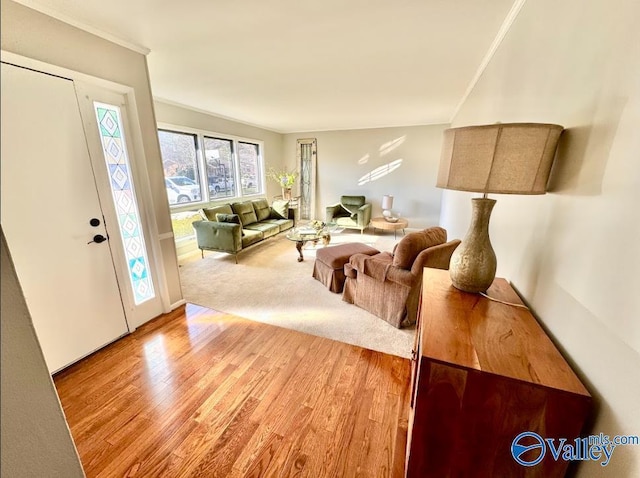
point(206, 394)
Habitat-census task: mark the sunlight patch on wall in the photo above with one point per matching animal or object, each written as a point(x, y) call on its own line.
point(386, 148)
point(380, 172)
point(364, 159)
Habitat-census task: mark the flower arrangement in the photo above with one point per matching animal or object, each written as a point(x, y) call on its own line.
point(285, 178)
point(317, 225)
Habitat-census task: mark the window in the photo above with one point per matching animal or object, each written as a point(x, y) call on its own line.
point(200, 167)
point(181, 221)
point(249, 165)
point(221, 173)
point(180, 163)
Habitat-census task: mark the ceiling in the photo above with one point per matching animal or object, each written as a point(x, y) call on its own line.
point(304, 65)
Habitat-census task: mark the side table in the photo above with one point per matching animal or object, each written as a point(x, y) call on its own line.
point(294, 207)
point(381, 223)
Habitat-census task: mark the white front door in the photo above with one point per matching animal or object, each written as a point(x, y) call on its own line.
point(53, 221)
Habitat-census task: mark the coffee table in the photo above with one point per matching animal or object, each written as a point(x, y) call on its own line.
point(381, 223)
point(302, 235)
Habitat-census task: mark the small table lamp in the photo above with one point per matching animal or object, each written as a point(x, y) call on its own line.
point(509, 158)
point(387, 204)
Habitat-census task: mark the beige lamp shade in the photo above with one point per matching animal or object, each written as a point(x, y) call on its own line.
point(503, 158)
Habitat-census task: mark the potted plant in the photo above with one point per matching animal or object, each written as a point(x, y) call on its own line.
point(285, 179)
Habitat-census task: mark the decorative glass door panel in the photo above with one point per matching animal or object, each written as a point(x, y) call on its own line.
point(121, 182)
point(306, 158)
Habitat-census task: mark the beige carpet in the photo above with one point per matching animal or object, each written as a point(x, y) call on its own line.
point(269, 285)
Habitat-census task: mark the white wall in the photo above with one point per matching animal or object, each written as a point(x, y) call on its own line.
point(35, 438)
point(573, 254)
point(34, 35)
point(347, 163)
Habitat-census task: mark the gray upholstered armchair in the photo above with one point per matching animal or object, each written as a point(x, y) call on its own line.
point(351, 212)
point(388, 284)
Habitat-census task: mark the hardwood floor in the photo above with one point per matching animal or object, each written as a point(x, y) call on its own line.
point(202, 393)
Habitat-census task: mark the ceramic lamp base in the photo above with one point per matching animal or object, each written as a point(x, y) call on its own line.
point(473, 263)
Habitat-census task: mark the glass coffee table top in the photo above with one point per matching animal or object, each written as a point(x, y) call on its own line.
point(303, 234)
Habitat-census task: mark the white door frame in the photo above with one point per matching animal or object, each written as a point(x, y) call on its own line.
point(86, 95)
point(135, 316)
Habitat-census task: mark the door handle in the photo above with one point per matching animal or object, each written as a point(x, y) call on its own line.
point(98, 238)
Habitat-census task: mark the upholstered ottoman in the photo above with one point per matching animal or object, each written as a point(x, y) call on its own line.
point(330, 261)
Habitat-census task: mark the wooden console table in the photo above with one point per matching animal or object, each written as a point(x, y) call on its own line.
point(484, 372)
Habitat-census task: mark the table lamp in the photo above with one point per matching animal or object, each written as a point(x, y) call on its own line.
point(387, 204)
point(503, 158)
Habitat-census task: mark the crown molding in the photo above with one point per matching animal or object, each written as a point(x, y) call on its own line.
point(502, 32)
point(34, 5)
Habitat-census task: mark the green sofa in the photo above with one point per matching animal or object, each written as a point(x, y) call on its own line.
point(233, 227)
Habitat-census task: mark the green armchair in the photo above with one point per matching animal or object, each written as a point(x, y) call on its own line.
point(352, 212)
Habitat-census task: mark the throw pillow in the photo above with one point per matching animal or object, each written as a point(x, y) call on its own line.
point(351, 212)
point(210, 212)
point(280, 207)
point(228, 218)
point(232, 218)
point(202, 214)
point(246, 212)
point(261, 208)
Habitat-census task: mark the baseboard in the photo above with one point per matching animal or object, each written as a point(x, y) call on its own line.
point(177, 304)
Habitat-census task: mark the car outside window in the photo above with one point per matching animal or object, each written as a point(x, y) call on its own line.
point(200, 167)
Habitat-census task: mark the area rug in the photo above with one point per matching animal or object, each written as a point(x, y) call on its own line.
point(269, 285)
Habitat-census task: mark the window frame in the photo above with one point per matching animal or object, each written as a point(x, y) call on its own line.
point(205, 198)
point(197, 165)
point(234, 159)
